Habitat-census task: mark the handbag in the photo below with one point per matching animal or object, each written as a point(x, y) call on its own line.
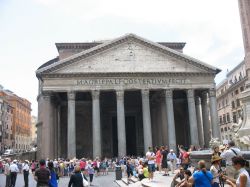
point(84, 182)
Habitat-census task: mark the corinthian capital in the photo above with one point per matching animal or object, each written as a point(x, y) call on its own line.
point(169, 93)
point(95, 94)
point(71, 95)
point(120, 94)
point(145, 93)
point(212, 92)
point(190, 93)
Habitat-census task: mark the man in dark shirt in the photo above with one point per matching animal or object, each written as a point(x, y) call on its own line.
point(164, 162)
point(42, 175)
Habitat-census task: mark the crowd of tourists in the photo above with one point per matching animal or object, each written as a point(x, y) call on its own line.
point(48, 172)
point(227, 167)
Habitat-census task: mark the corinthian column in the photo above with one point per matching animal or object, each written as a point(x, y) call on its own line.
point(205, 118)
point(71, 126)
point(199, 120)
point(96, 124)
point(192, 118)
point(147, 132)
point(121, 130)
point(214, 114)
point(170, 119)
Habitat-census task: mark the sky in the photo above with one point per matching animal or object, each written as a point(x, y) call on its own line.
point(29, 30)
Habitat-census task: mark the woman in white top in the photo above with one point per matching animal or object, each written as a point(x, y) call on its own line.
point(215, 170)
point(243, 180)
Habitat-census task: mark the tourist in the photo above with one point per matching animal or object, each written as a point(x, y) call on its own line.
point(158, 157)
point(83, 164)
point(76, 180)
point(91, 171)
point(243, 179)
point(184, 156)
point(216, 151)
point(184, 182)
point(13, 172)
point(129, 170)
point(140, 172)
point(202, 177)
point(172, 160)
point(164, 161)
point(26, 171)
point(33, 166)
point(228, 155)
point(151, 163)
point(179, 175)
point(7, 172)
point(145, 170)
point(53, 175)
point(71, 167)
point(215, 168)
point(42, 175)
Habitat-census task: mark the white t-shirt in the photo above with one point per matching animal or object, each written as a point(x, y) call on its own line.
point(229, 154)
point(149, 155)
point(215, 172)
point(243, 171)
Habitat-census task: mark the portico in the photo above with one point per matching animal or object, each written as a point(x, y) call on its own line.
point(120, 97)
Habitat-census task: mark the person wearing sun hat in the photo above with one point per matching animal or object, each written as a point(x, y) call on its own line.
point(215, 168)
point(26, 168)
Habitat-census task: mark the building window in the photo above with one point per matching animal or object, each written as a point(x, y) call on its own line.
point(224, 118)
point(234, 117)
point(236, 92)
point(233, 104)
point(238, 102)
point(241, 88)
point(228, 118)
point(220, 120)
point(225, 129)
point(221, 129)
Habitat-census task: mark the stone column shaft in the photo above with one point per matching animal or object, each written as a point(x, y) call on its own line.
point(71, 126)
point(192, 118)
point(199, 121)
point(121, 129)
point(59, 151)
point(214, 114)
point(46, 118)
point(97, 151)
point(205, 119)
point(147, 131)
point(170, 120)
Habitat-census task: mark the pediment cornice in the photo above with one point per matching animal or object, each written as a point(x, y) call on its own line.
point(130, 37)
point(128, 74)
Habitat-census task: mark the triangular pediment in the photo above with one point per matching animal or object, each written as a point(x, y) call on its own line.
point(128, 54)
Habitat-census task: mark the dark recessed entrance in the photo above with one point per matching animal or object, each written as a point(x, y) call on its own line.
point(114, 136)
point(130, 135)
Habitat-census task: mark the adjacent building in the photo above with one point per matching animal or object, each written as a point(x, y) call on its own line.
point(15, 121)
point(33, 131)
point(229, 105)
point(6, 123)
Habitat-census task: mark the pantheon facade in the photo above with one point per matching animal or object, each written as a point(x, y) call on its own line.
point(118, 97)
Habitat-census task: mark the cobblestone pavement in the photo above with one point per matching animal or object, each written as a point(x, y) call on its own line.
point(100, 181)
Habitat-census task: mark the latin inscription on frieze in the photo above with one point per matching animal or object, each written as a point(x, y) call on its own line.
point(131, 81)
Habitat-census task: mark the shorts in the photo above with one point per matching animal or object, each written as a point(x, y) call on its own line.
point(164, 164)
point(151, 168)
